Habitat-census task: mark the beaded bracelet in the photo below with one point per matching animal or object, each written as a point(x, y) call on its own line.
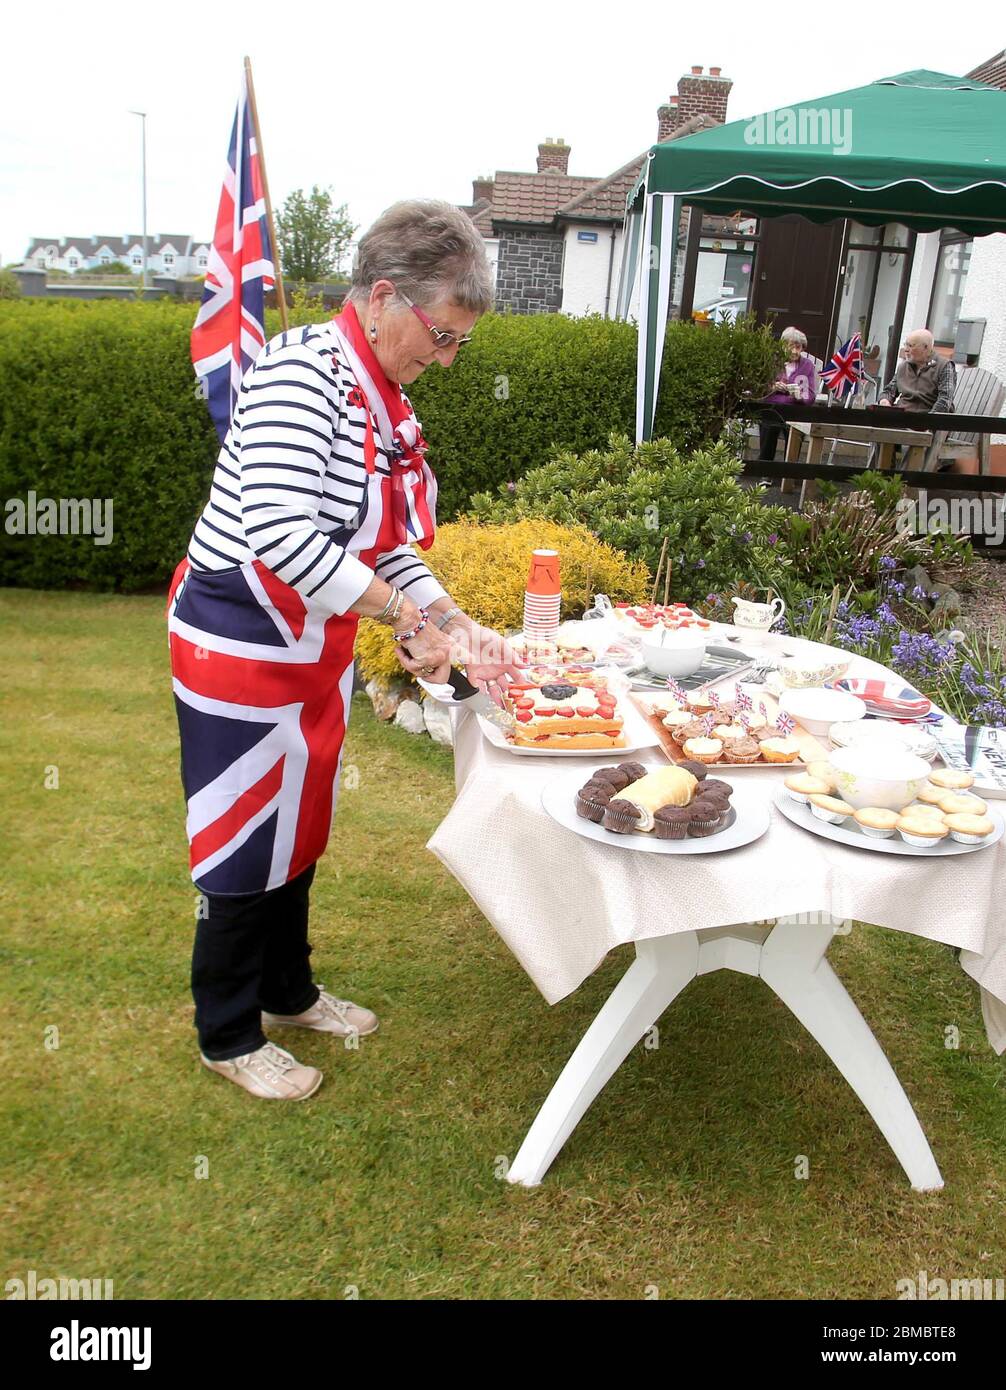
point(424, 618)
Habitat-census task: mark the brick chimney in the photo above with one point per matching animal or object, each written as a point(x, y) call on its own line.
point(667, 119)
point(703, 95)
point(553, 155)
point(482, 190)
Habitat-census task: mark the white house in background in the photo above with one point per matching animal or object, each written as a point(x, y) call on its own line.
point(175, 255)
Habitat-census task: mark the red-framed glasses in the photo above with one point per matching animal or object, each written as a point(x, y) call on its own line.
point(441, 337)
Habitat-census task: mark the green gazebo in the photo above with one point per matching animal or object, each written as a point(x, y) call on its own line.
point(923, 149)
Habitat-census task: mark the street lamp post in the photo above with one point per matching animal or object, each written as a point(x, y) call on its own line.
point(143, 117)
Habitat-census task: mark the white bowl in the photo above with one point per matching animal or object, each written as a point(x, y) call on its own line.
point(818, 709)
point(680, 654)
point(878, 777)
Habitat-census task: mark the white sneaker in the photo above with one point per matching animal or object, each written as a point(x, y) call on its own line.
point(328, 1015)
point(270, 1073)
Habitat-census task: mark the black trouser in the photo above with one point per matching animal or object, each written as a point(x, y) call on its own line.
point(769, 436)
point(251, 953)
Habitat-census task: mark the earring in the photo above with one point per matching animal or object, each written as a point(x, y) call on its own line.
point(373, 332)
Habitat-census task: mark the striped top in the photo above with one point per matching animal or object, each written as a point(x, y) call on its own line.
point(291, 478)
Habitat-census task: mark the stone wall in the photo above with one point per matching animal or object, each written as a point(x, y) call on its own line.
point(529, 271)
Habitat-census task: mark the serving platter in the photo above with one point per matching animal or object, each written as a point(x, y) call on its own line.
point(636, 730)
point(811, 748)
point(849, 833)
point(744, 824)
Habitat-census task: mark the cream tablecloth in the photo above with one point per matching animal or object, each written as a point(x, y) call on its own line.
point(561, 902)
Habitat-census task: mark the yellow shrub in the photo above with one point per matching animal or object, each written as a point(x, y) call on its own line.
point(484, 569)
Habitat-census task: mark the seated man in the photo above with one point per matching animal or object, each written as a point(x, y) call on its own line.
point(922, 381)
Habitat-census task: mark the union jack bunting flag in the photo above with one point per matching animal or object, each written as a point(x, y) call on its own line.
point(845, 370)
point(229, 330)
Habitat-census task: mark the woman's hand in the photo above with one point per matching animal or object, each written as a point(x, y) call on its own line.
point(428, 654)
point(486, 656)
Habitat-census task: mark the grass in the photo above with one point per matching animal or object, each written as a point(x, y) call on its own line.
point(387, 1182)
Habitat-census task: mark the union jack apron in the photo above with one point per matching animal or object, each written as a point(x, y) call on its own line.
point(263, 676)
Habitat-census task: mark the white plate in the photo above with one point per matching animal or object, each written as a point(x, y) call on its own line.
point(987, 761)
point(637, 730)
point(862, 733)
point(559, 799)
point(850, 834)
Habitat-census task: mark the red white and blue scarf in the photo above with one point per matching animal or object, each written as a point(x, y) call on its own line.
point(413, 485)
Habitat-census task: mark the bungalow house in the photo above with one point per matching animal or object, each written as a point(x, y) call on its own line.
point(555, 238)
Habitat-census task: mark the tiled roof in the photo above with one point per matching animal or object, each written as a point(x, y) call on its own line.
point(992, 71)
point(605, 199)
point(119, 246)
point(534, 197)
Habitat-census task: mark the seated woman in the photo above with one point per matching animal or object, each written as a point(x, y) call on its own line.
point(796, 382)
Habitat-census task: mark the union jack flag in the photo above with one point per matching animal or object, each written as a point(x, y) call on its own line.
point(743, 700)
point(229, 330)
point(785, 723)
point(883, 697)
point(845, 370)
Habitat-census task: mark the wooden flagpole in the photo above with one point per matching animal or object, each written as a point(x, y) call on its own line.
point(280, 291)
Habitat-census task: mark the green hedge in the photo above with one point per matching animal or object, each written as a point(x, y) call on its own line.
point(98, 400)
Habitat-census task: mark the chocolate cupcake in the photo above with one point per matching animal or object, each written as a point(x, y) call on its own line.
point(707, 815)
point(616, 778)
point(744, 750)
point(620, 816)
point(591, 800)
point(696, 729)
point(714, 786)
point(672, 822)
point(698, 770)
point(635, 770)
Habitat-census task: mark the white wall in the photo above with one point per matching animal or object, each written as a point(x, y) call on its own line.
point(492, 246)
point(984, 298)
point(585, 270)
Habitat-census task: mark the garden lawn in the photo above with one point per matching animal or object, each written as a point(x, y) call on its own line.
point(681, 1176)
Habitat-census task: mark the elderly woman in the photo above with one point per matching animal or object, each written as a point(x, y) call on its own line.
point(796, 382)
point(320, 492)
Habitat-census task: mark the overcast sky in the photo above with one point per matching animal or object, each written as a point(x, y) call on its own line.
point(391, 100)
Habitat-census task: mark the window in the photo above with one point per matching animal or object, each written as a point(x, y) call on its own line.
point(876, 262)
point(105, 260)
point(948, 285)
point(137, 260)
point(73, 262)
point(168, 258)
point(202, 262)
point(725, 266)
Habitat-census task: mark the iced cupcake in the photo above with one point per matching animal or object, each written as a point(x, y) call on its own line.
point(743, 750)
point(699, 703)
point(695, 728)
point(780, 750)
point(703, 750)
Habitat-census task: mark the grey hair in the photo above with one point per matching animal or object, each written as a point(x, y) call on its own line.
point(793, 335)
point(428, 250)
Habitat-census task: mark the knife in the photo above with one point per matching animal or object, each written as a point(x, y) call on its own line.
point(463, 692)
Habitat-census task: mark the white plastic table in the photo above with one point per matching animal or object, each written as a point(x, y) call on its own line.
point(561, 902)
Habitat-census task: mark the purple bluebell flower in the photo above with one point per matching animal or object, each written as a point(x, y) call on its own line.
point(888, 562)
point(919, 592)
point(773, 539)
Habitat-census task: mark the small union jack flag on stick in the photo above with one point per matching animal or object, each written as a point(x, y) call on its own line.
point(743, 699)
point(713, 698)
point(678, 691)
point(785, 723)
point(845, 370)
point(762, 710)
point(708, 722)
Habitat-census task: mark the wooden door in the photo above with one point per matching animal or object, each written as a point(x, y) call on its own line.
point(796, 276)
